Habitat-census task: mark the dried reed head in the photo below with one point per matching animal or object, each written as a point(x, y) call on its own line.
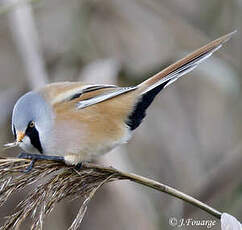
point(60, 181)
point(57, 181)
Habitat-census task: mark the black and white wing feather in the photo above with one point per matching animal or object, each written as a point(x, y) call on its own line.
point(104, 96)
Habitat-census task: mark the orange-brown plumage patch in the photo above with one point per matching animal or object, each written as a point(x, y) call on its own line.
point(104, 120)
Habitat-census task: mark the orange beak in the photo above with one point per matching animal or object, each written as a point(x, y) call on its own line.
point(20, 136)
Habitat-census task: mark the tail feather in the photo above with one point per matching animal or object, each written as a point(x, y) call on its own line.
point(183, 66)
point(152, 86)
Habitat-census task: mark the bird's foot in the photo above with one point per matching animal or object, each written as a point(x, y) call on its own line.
point(35, 157)
point(78, 167)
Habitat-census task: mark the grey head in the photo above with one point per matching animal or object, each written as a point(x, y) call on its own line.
point(32, 120)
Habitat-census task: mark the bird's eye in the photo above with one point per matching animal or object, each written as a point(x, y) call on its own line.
point(31, 124)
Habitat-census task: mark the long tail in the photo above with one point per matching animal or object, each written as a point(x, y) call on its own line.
point(185, 65)
point(152, 86)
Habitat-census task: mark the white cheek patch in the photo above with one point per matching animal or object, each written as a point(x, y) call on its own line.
point(26, 140)
point(27, 146)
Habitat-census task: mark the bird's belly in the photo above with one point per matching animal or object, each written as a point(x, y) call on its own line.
point(82, 145)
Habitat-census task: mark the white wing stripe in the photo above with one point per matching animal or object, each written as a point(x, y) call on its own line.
point(103, 97)
point(69, 94)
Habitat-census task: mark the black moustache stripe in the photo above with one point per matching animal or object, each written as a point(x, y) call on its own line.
point(33, 134)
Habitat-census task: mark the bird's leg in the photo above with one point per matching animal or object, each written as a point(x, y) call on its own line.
point(32, 156)
point(35, 157)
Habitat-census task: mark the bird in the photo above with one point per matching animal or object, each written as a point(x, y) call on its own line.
point(74, 122)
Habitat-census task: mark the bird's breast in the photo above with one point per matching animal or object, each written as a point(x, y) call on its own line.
point(85, 139)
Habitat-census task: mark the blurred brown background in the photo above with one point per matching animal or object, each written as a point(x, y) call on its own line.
point(191, 137)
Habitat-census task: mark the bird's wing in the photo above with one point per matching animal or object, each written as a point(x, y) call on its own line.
point(67, 91)
point(82, 95)
point(103, 96)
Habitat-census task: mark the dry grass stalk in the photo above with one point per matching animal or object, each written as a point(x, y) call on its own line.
point(57, 181)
